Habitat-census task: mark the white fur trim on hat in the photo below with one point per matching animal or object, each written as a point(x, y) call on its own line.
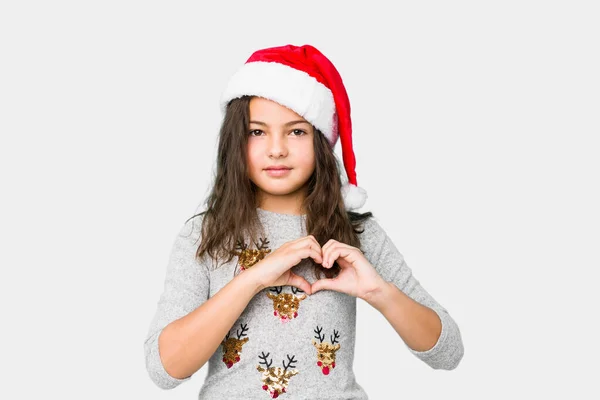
point(354, 196)
point(290, 87)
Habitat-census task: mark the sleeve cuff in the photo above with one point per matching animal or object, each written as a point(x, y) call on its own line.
point(448, 350)
point(156, 369)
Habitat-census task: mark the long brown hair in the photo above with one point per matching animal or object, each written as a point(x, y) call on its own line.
point(326, 216)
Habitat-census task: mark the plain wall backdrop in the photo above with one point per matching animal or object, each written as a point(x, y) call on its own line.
point(476, 132)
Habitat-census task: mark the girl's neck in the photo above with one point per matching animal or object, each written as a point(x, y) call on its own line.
point(282, 205)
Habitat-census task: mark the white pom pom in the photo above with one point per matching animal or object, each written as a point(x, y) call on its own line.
point(354, 196)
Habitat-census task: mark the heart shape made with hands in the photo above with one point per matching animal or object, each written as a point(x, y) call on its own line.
point(357, 277)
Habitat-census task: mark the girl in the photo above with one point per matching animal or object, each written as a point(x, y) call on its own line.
point(263, 284)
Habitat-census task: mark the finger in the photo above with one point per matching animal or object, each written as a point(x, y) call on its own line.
point(310, 249)
point(306, 241)
point(296, 243)
point(309, 238)
point(327, 263)
point(300, 283)
point(306, 252)
point(314, 243)
point(324, 284)
point(339, 250)
point(316, 255)
point(330, 254)
point(329, 243)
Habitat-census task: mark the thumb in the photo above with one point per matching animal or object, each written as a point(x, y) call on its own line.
point(299, 282)
point(324, 284)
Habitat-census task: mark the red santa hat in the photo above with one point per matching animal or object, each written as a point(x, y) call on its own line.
point(302, 79)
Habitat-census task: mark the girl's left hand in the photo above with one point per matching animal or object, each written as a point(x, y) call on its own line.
point(357, 277)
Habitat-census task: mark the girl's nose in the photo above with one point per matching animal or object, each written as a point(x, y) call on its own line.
point(277, 147)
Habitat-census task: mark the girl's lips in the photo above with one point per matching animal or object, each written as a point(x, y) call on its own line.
point(278, 172)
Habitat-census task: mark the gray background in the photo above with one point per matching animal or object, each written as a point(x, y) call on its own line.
point(476, 134)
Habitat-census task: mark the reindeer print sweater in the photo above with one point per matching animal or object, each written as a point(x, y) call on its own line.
point(285, 343)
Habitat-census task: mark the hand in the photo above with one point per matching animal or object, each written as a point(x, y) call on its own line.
point(357, 277)
point(274, 269)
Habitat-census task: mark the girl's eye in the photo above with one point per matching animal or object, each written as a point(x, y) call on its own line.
point(258, 132)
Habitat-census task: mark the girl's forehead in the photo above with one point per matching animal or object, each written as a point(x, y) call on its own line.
point(262, 109)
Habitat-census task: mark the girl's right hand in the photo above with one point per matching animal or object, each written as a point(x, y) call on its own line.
point(274, 269)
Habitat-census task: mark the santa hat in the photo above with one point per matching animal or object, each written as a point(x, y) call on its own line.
point(302, 79)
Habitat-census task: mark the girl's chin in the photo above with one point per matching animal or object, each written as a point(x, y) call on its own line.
point(279, 190)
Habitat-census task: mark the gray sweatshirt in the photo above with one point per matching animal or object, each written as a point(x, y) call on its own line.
point(285, 343)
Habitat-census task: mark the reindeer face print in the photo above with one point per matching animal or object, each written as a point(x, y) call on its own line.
point(232, 347)
point(275, 379)
point(249, 257)
point(285, 305)
point(326, 351)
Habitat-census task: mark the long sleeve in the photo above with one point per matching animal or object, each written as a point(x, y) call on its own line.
point(186, 287)
point(389, 262)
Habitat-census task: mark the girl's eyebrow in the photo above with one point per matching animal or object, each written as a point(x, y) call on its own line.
point(300, 121)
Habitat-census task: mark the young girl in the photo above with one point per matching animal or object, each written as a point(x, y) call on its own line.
point(263, 283)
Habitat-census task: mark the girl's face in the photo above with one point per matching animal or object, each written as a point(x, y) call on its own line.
point(280, 153)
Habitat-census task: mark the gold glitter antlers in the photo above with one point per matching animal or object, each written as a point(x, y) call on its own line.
point(249, 257)
point(326, 351)
point(232, 347)
point(285, 305)
point(276, 379)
